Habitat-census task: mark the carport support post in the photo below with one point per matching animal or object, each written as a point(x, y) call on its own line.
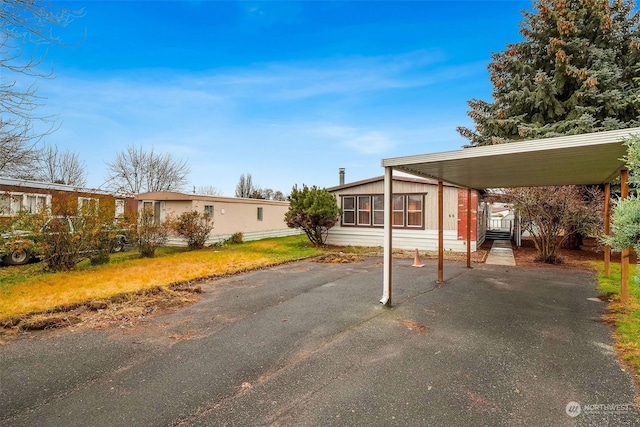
point(468, 228)
point(607, 248)
point(440, 233)
point(624, 258)
point(388, 243)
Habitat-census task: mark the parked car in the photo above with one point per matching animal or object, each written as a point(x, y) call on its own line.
point(18, 247)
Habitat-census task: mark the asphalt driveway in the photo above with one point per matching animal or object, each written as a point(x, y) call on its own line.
point(307, 344)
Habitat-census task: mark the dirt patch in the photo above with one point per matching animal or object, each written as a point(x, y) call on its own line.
point(591, 250)
point(412, 325)
point(477, 257)
point(123, 309)
point(338, 258)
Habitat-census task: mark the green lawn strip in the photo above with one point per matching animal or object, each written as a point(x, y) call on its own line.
point(627, 321)
point(264, 252)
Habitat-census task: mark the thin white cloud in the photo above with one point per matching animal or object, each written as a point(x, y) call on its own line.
point(257, 84)
point(223, 121)
point(337, 76)
point(360, 140)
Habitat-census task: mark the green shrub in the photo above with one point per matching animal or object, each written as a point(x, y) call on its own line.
point(313, 210)
point(150, 234)
point(236, 238)
point(194, 227)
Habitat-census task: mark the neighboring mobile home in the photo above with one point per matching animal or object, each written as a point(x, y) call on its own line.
point(415, 215)
point(18, 195)
point(254, 218)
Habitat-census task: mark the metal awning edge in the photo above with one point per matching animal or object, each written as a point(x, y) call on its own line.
point(520, 147)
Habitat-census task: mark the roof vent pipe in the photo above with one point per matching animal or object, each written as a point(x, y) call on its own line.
point(341, 176)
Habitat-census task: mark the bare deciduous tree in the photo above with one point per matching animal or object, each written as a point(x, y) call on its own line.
point(24, 26)
point(248, 190)
point(266, 193)
point(18, 149)
point(209, 190)
point(279, 195)
point(550, 215)
point(245, 187)
point(62, 167)
point(135, 170)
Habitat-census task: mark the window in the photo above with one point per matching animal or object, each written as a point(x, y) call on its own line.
point(367, 211)
point(119, 208)
point(260, 214)
point(147, 207)
point(5, 204)
point(208, 210)
point(398, 211)
point(414, 211)
point(34, 203)
point(364, 210)
point(88, 205)
point(378, 210)
point(12, 203)
point(349, 210)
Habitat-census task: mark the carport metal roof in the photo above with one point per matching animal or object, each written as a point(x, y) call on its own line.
point(594, 158)
point(568, 160)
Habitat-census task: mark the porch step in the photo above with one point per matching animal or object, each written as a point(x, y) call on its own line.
point(497, 235)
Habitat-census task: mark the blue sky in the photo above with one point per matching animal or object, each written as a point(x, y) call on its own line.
point(286, 91)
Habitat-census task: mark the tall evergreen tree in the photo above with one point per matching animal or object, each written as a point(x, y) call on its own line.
point(575, 72)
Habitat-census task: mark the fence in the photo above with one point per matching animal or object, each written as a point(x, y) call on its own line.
point(499, 224)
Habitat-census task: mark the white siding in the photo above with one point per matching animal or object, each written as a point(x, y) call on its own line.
point(405, 238)
point(246, 237)
point(402, 238)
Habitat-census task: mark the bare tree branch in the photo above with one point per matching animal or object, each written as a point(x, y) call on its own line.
point(244, 187)
point(209, 190)
point(135, 170)
point(25, 26)
point(62, 167)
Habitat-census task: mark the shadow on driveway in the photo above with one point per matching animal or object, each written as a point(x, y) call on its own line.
point(309, 344)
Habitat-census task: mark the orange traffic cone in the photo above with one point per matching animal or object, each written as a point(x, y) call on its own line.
point(416, 261)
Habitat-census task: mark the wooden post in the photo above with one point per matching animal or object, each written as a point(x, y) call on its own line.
point(624, 257)
point(607, 229)
point(440, 233)
point(468, 228)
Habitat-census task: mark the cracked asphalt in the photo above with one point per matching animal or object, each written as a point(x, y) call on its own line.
point(308, 344)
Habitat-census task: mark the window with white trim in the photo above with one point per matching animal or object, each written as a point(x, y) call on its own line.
point(13, 203)
point(414, 210)
point(88, 205)
point(260, 214)
point(208, 210)
point(120, 208)
point(5, 204)
point(398, 210)
point(349, 210)
point(364, 210)
point(378, 210)
point(368, 210)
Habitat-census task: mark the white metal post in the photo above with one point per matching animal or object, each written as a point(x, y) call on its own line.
point(388, 245)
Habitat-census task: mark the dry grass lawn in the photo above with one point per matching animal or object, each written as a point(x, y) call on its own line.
point(37, 291)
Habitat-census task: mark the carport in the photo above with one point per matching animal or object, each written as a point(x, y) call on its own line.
point(587, 159)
